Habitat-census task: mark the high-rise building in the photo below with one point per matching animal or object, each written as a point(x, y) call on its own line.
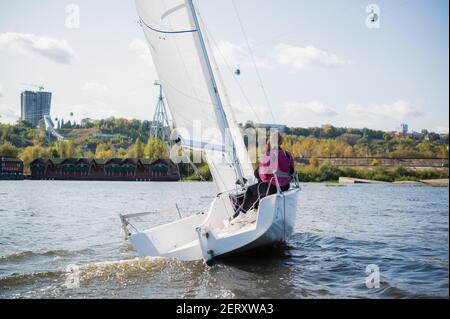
point(34, 106)
point(404, 129)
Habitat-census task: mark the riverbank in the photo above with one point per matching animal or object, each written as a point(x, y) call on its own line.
point(330, 173)
point(429, 182)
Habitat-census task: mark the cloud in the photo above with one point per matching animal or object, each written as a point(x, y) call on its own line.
point(143, 51)
point(234, 55)
point(256, 113)
point(8, 114)
point(1, 91)
point(399, 110)
point(58, 51)
point(93, 110)
point(310, 56)
point(314, 107)
point(440, 129)
point(94, 86)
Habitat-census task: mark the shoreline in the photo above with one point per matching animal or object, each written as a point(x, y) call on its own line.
point(343, 181)
point(442, 182)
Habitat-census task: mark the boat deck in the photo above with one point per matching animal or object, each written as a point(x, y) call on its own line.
point(241, 224)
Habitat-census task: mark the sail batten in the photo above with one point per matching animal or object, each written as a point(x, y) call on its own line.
point(142, 21)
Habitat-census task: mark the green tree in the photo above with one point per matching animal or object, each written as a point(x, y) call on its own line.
point(138, 149)
point(8, 150)
point(66, 149)
point(103, 151)
point(328, 148)
point(314, 162)
point(349, 138)
point(375, 162)
point(31, 153)
point(155, 149)
point(433, 137)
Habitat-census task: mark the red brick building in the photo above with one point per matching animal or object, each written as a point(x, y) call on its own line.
point(11, 168)
point(113, 169)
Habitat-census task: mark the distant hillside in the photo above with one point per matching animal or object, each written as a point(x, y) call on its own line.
point(130, 138)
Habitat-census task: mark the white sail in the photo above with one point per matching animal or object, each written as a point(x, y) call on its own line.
point(241, 150)
point(195, 92)
point(183, 66)
point(241, 153)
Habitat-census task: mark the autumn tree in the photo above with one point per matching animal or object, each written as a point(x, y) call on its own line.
point(138, 149)
point(8, 150)
point(305, 147)
point(66, 149)
point(31, 153)
point(314, 162)
point(155, 149)
point(103, 151)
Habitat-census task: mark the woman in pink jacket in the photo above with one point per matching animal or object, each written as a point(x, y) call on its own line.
point(274, 160)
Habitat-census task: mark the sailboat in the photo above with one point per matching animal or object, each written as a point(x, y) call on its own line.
point(195, 93)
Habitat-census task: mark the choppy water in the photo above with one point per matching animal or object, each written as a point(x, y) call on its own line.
point(47, 225)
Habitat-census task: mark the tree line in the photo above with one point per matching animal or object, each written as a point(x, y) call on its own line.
point(330, 141)
point(122, 138)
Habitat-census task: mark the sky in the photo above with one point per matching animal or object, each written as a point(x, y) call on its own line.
point(318, 61)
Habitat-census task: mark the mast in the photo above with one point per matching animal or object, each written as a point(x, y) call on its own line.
point(215, 92)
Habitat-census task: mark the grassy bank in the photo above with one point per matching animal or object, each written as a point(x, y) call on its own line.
point(328, 172)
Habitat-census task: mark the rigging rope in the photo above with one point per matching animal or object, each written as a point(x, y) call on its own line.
point(230, 69)
point(254, 61)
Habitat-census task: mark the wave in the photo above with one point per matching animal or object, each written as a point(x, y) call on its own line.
point(27, 254)
point(16, 279)
point(120, 271)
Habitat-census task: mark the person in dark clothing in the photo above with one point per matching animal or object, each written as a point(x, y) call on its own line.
point(275, 160)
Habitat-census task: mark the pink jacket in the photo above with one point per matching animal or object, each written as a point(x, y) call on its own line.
point(276, 161)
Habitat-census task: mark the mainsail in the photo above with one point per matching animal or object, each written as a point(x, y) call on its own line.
point(194, 94)
point(241, 149)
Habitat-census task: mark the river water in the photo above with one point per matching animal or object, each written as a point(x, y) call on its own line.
point(46, 226)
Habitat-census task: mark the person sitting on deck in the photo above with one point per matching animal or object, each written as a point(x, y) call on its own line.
point(275, 160)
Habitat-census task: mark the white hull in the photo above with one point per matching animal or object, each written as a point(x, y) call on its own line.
point(207, 236)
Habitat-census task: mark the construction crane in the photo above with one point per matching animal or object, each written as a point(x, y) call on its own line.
point(40, 87)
